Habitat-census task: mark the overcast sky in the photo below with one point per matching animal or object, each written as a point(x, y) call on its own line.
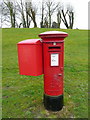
point(81, 12)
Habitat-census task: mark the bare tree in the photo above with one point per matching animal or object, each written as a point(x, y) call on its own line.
point(67, 16)
point(59, 15)
point(28, 19)
point(71, 16)
point(21, 11)
point(31, 11)
point(42, 15)
point(51, 7)
point(23, 16)
point(64, 19)
point(9, 12)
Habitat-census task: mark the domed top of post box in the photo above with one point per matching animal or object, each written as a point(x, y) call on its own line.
point(53, 35)
point(30, 41)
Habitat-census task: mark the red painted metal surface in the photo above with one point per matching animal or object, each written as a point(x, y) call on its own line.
point(30, 57)
point(53, 45)
point(53, 36)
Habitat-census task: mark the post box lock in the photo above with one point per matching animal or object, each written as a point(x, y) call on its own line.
point(60, 74)
point(54, 43)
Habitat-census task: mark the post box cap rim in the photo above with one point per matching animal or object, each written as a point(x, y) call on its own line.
point(54, 34)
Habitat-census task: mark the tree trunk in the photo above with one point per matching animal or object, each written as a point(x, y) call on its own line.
point(35, 24)
point(65, 20)
point(42, 19)
point(49, 18)
point(58, 19)
point(72, 20)
point(32, 16)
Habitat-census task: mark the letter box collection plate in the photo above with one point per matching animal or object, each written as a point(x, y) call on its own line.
point(55, 59)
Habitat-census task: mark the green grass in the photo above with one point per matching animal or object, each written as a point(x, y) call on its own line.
point(23, 95)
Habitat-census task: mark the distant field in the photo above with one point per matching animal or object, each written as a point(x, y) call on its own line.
point(23, 95)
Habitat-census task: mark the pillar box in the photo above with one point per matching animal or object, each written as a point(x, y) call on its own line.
point(53, 57)
point(46, 56)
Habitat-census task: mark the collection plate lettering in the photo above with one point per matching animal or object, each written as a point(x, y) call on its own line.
point(54, 59)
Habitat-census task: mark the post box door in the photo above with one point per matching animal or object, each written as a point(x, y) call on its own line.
point(54, 79)
point(53, 62)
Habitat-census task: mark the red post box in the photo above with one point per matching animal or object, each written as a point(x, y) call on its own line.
point(46, 57)
point(30, 57)
point(53, 55)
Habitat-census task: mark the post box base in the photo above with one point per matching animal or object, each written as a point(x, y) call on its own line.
point(53, 103)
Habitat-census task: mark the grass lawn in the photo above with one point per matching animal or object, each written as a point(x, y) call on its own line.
point(23, 95)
